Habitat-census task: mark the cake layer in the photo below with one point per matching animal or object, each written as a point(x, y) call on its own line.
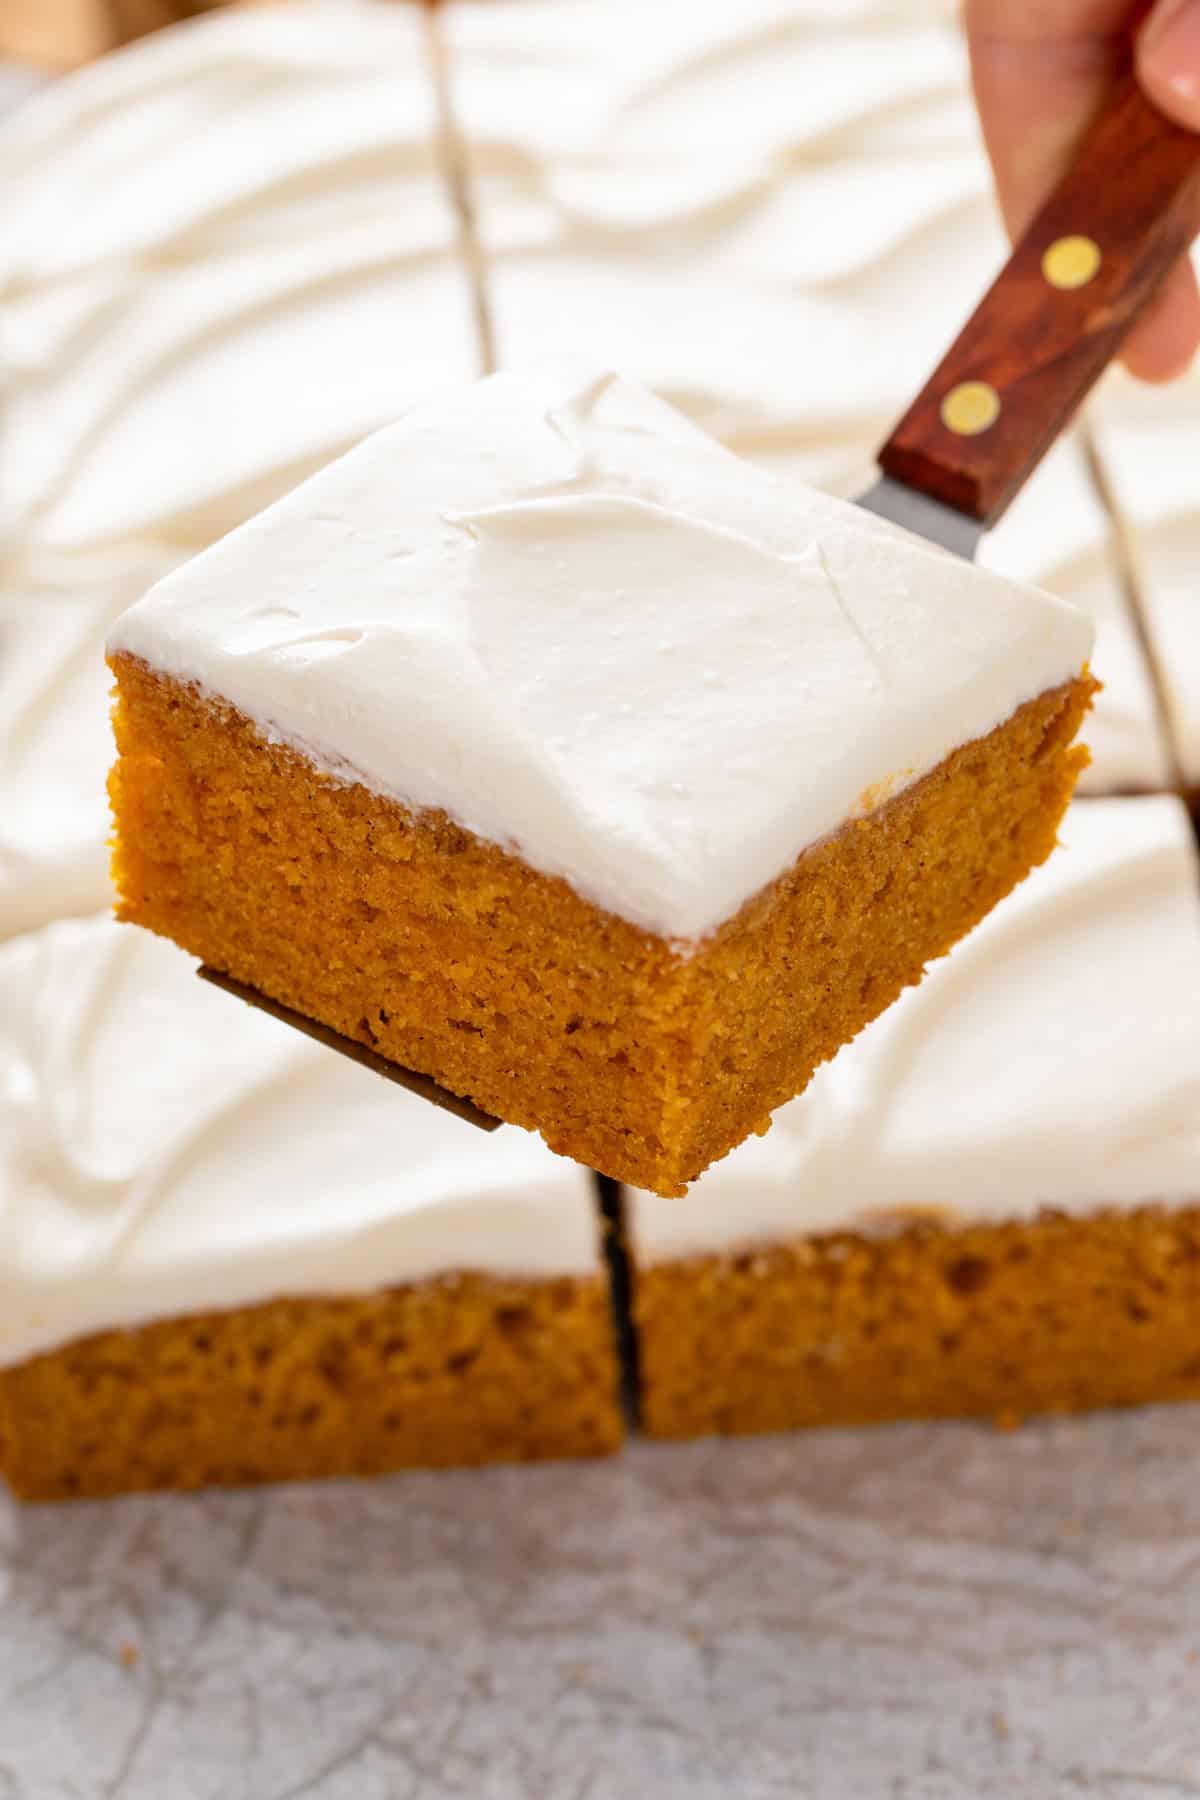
point(166, 1152)
point(551, 610)
point(452, 956)
point(1056, 1314)
point(453, 1371)
point(988, 1202)
point(1051, 1062)
point(229, 253)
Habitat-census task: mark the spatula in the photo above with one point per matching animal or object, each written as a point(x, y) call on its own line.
point(1046, 329)
point(1056, 315)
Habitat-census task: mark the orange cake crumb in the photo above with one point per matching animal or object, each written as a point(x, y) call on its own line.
point(451, 956)
point(460, 1370)
point(1057, 1315)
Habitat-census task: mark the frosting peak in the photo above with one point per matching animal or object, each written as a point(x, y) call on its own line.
point(553, 609)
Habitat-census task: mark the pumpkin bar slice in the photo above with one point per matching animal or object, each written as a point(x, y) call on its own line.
point(231, 1257)
point(550, 750)
point(988, 1204)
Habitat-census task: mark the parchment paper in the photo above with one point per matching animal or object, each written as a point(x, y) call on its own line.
point(918, 1611)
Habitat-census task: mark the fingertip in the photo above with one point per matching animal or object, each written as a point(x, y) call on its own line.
point(1168, 60)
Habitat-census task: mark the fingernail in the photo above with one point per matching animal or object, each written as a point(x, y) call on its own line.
point(1169, 58)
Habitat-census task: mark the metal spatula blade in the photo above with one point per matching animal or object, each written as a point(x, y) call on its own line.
point(423, 1086)
point(928, 518)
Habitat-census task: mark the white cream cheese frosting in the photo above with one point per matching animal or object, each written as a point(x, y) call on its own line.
point(164, 1151)
point(791, 335)
point(1058, 535)
point(762, 212)
point(1051, 1061)
point(549, 607)
point(733, 85)
point(1148, 440)
point(776, 217)
point(56, 742)
point(228, 254)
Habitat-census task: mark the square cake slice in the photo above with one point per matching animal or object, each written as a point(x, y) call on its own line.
point(990, 1203)
point(230, 1257)
point(549, 749)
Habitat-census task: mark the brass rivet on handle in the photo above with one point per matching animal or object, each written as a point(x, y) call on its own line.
point(970, 408)
point(1070, 262)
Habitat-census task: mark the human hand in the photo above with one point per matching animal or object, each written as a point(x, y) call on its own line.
point(1041, 69)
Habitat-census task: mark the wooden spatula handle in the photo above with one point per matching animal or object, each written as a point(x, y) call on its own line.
point(1057, 312)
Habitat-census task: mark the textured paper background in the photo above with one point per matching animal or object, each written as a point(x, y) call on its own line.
point(927, 1612)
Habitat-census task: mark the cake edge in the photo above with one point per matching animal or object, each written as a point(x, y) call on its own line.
point(460, 1370)
point(998, 1320)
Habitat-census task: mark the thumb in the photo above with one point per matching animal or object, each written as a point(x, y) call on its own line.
point(1168, 60)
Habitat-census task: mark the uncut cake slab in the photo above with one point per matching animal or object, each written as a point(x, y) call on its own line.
point(549, 750)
